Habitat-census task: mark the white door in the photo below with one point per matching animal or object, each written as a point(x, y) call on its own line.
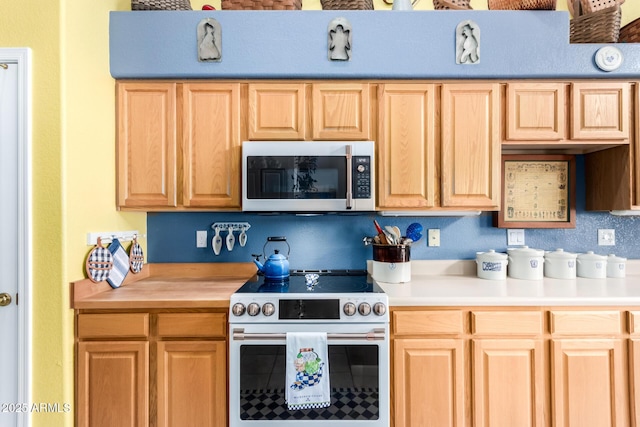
point(15, 231)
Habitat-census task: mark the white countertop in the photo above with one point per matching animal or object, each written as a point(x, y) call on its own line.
point(454, 283)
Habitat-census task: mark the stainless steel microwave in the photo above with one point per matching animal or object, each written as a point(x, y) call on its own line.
point(308, 176)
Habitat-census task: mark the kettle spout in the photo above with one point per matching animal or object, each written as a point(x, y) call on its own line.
point(259, 265)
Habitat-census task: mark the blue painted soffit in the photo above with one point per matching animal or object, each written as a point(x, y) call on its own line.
point(385, 45)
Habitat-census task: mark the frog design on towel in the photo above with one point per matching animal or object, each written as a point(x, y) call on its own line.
point(308, 369)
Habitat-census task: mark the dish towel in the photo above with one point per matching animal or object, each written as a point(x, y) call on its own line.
point(307, 371)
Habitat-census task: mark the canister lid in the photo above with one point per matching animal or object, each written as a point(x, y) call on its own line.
point(560, 254)
point(491, 255)
point(590, 256)
point(613, 258)
point(525, 252)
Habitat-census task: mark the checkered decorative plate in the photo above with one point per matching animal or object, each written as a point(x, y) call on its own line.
point(99, 263)
point(346, 404)
point(136, 257)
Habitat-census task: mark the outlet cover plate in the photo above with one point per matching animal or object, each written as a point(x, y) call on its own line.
point(434, 237)
point(201, 239)
point(606, 237)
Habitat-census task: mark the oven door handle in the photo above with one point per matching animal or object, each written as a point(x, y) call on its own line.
point(377, 334)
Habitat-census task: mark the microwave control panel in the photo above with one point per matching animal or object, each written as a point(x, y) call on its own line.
point(362, 177)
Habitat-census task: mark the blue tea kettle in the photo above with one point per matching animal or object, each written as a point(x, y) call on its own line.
point(276, 267)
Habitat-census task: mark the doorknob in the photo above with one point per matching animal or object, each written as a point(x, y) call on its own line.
point(5, 299)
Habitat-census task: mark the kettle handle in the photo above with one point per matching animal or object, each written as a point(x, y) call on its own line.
point(276, 239)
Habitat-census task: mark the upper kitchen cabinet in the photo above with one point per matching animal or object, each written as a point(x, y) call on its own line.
point(309, 111)
point(471, 149)
point(341, 111)
point(600, 110)
point(535, 111)
point(168, 163)
point(277, 111)
point(147, 138)
point(211, 145)
point(407, 172)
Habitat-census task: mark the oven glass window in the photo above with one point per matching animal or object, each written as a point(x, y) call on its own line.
point(296, 177)
point(354, 375)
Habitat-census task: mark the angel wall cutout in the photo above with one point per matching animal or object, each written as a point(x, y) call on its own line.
point(339, 40)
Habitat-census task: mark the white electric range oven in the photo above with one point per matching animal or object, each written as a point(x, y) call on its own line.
point(350, 308)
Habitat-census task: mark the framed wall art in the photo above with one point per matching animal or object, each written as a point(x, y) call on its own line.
point(538, 191)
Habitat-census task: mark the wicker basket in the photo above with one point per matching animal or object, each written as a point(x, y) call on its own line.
point(161, 5)
point(347, 4)
point(602, 26)
point(630, 33)
point(589, 6)
point(522, 4)
point(261, 4)
point(451, 4)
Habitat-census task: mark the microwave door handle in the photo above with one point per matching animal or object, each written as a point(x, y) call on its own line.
point(349, 177)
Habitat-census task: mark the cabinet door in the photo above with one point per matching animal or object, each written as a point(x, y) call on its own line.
point(508, 382)
point(600, 110)
point(277, 111)
point(340, 111)
point(112, 383)
point(634, 366)
point(589, 384)
point(407, 172)
point(429, 383)
point(211, 145)
point(192, 385)
point(471, 146)
point(535, 111)
point(146, 119)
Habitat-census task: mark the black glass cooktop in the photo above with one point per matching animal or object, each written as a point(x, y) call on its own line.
point(314, 281)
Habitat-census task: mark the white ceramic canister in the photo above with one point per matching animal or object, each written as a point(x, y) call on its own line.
point(616, 266)
point(592, 266)
point(526, 263)
point(492, 265)
point(559, 264)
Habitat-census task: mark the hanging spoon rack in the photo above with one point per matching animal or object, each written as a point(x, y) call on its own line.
point(233, 226)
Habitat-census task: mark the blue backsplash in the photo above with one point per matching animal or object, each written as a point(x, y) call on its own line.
point(335, 241)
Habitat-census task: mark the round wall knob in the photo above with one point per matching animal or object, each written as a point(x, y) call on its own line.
point(5, 299)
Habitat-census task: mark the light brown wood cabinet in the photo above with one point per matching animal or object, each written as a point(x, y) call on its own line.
point(439, 154)
point(179, 145)
point(535, 111)
point(159, 368)
point(600, 110)
point(532, 366)
point(309, 111)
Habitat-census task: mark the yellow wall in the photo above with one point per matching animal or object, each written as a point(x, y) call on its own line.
point(74, 163)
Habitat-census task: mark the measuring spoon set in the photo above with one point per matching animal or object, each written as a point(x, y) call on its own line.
point(230, 240)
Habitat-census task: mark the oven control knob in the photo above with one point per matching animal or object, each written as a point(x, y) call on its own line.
point(238, 309)
point(379, 309)
point(268, 309)
point(253, 309)
point(349, 309)
point(364, 309)
point(361, 168)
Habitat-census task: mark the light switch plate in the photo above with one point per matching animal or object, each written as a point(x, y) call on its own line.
point(201, 239)
point(515, 237)
point(606, 237)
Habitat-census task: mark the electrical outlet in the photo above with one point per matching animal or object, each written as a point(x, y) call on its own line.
point(515, 237)
point(606, 237)
point(201, 239)
point(434, 237)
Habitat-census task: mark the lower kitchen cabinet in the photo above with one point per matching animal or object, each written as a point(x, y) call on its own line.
point(157, 368)
point(493, 367)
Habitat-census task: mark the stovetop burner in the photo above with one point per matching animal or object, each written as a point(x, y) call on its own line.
point(314, 281)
